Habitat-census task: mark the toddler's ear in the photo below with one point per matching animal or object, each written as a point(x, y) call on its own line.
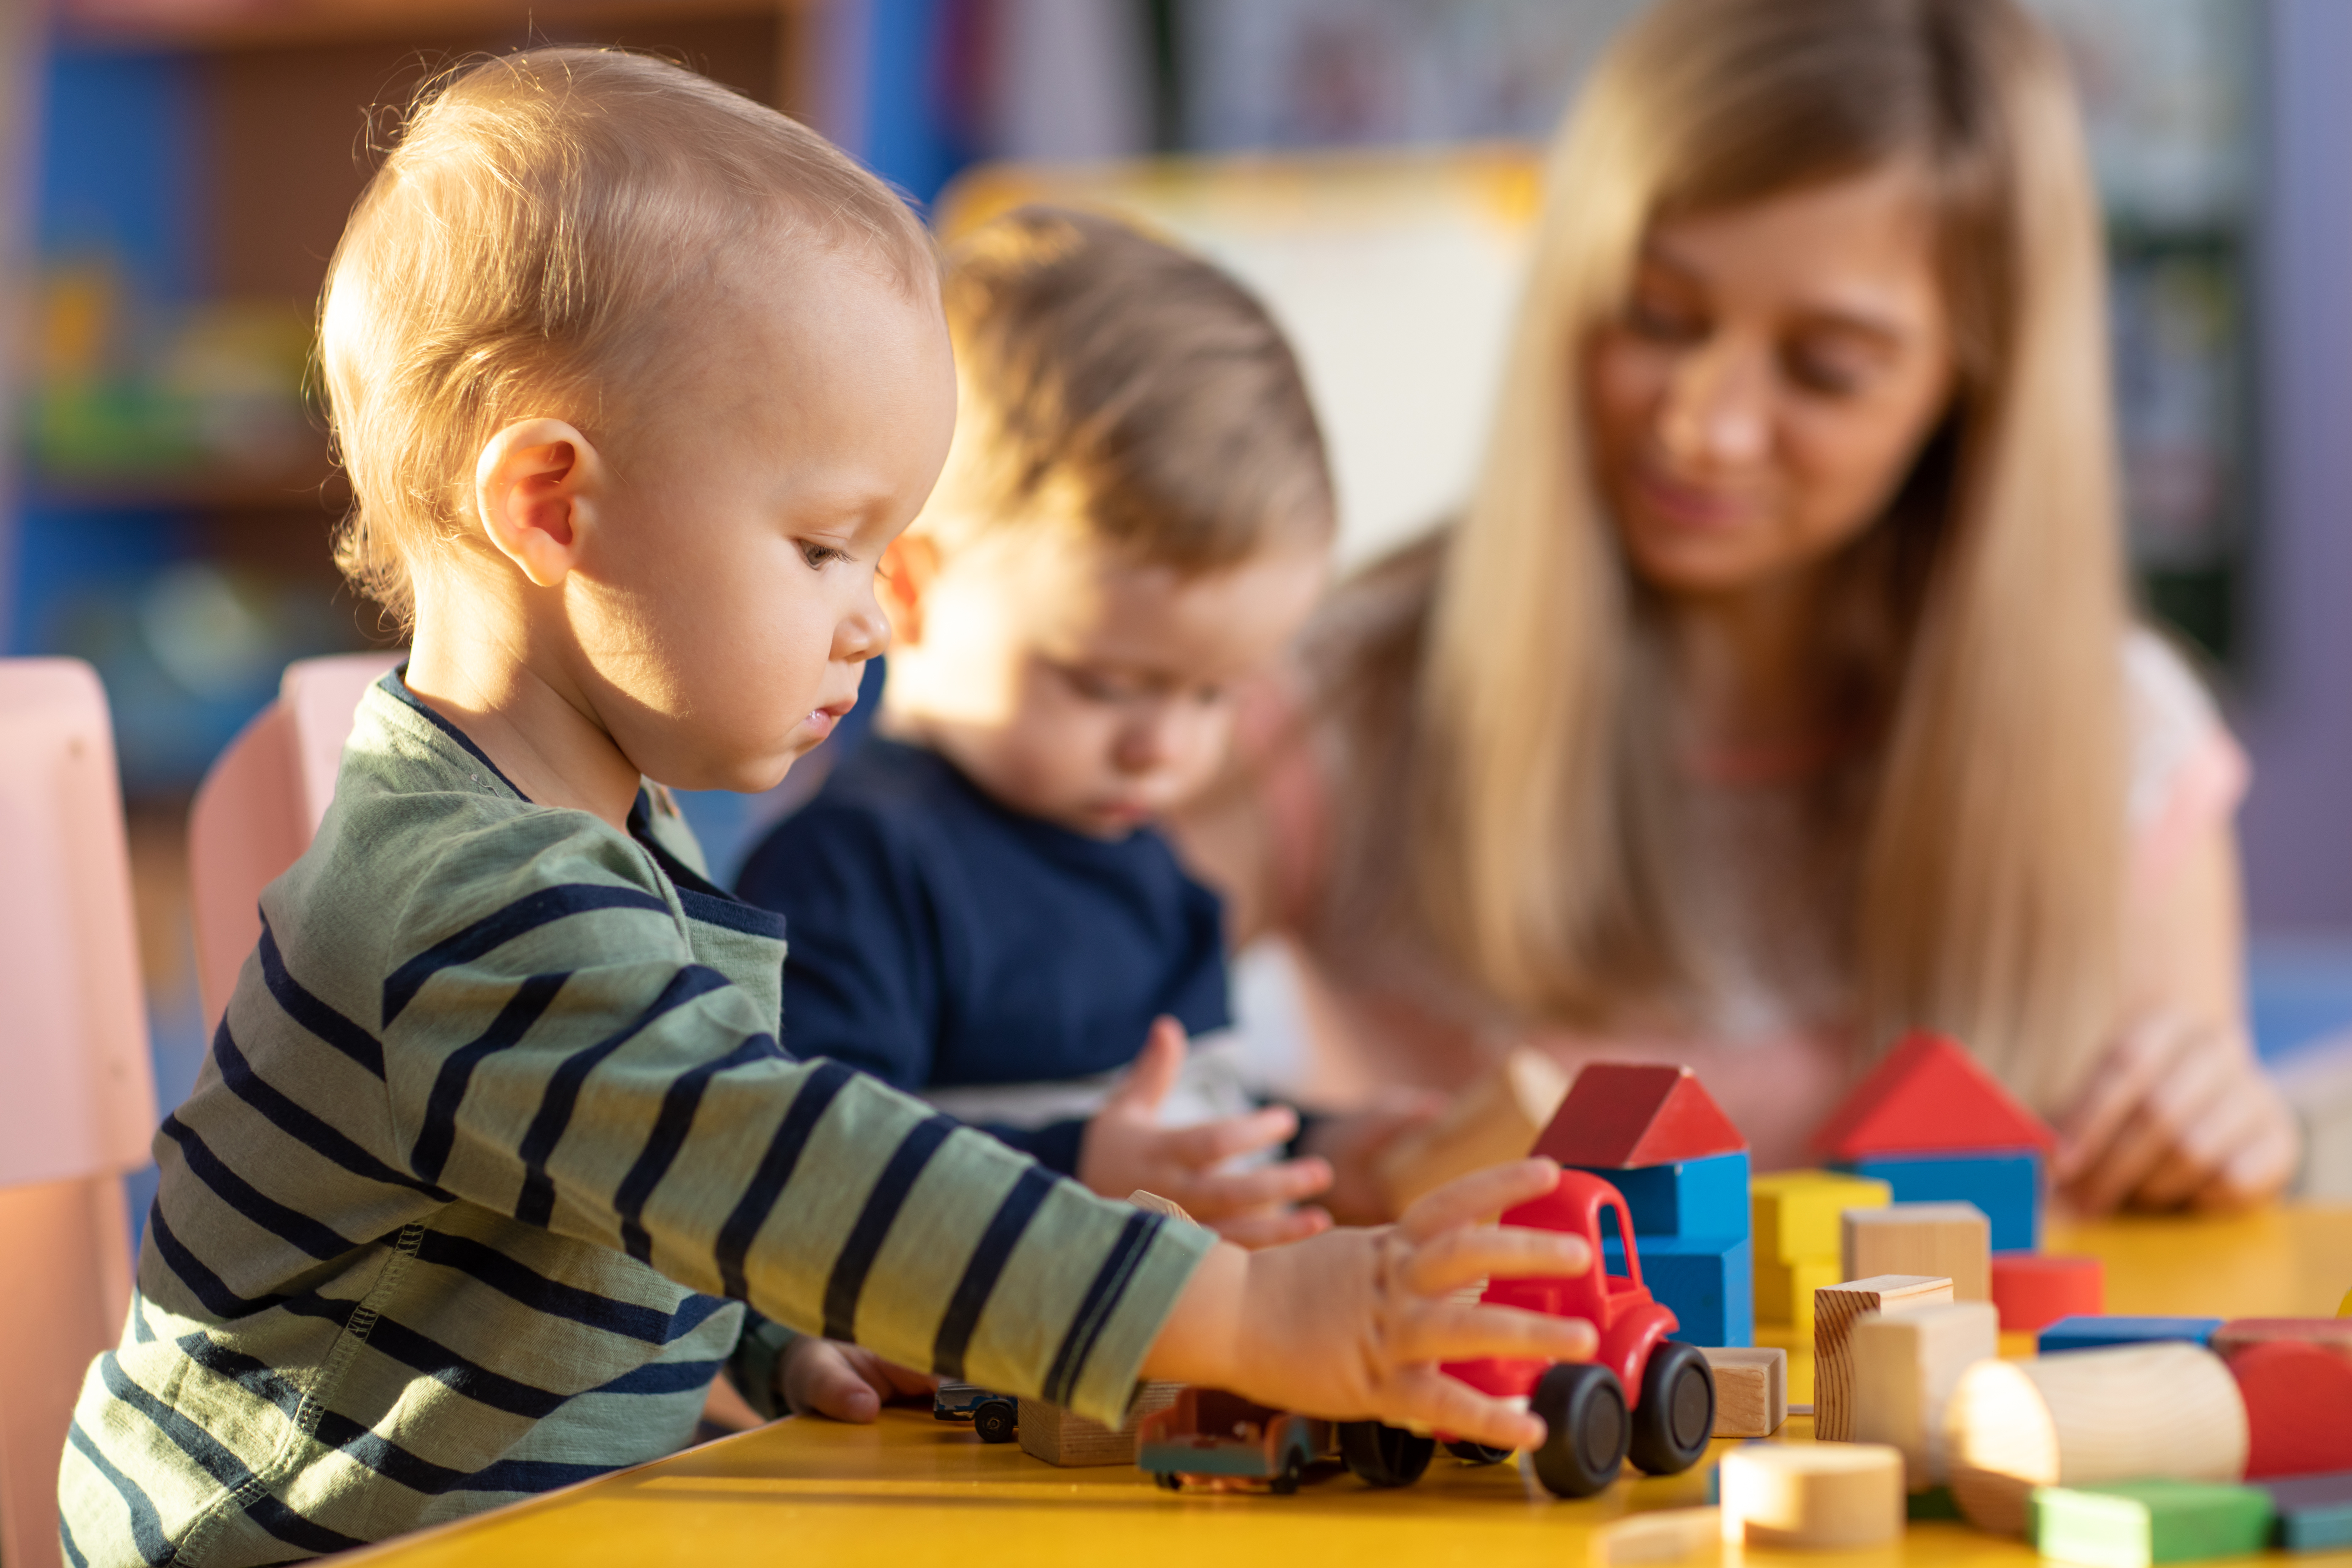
point(536, 487)
point(910, 566)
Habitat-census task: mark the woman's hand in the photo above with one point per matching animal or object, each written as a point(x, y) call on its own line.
point(2178, 1114)
point(1352, 1324)
point(1126, 1150)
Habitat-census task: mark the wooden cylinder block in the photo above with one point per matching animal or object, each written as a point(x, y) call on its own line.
point(2161, 1412)
point(1812, 1496)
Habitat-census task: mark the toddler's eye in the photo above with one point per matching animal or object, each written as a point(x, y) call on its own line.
point(820, 555)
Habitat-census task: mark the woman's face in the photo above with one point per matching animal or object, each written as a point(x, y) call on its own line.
point(1770, 382)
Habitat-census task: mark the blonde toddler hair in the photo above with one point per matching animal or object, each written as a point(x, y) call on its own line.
point(543, 217)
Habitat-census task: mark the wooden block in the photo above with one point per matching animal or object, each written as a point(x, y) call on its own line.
point(1928, 1095)
point(2131, 1524)
point(1812, 1496)
point(1495, 1119)
point(2315, 1512)
point(2299, 1408)
point(1795, 1214)
point(1751, 1389)
point(1784, 1292)
point(1063, 1437)
point(2005, 1184)
point(2035, 1290)
point(1707, 1197)
point(1624, 1114)
point(2162, 1412)
point(1665, 1535)
point(2096, 1332)
point(1951, 1240)
point(1906, 1366)
point(2333, 1335)
point(1836, 1310)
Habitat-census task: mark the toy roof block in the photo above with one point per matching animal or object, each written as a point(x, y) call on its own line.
point(1619, 1115)
point(1927, 1097)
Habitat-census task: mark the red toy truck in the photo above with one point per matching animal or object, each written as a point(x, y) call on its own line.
point(1642, 1394)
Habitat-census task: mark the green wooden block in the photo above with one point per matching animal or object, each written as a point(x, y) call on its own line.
point(2133, 1524)
point(1936, 1502)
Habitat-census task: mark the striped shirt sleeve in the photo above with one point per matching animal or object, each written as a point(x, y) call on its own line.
point(552, 1051)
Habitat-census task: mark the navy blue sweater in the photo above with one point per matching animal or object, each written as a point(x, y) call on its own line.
point(938, 938)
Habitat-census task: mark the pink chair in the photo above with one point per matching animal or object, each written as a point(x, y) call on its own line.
point(258, 806)
point(78, 1106)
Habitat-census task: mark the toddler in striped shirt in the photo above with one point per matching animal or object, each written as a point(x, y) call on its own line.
point(495, 1145)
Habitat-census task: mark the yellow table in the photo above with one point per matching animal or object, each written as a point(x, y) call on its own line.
point(910, 1489)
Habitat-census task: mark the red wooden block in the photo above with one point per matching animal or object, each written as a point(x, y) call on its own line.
point(1619, 1115)
point(2033, 1289)
point(2333, 1335)
point(1926, 1097)
point(2299, 1408)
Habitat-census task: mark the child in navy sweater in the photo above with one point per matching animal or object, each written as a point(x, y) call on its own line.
point(1136, 514)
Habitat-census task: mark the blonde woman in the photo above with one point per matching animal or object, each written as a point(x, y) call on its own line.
point(1777, 690)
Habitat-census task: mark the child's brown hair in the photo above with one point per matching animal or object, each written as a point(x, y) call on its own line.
point(1115, 382)
point(543, 217)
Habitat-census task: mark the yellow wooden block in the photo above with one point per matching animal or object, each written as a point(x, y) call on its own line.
point(1812, 1496)
point(1784, 1292)
point(1795, 1214)
point(2346, 1310)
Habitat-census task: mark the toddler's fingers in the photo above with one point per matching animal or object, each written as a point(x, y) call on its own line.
point(1428, 1400)
point(1217, 1194)
point(1462, 1330)
point(1215, 1142)
point(1273, 1228)
point(1467, 1199)
point(1467, 1253)
point(824, 1383)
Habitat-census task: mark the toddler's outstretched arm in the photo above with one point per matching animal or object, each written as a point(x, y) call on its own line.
point(1352, 1324)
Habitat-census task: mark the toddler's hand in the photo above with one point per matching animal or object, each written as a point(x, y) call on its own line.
point(1354, 1143)
point(1125, 1149)
point(2178, 1114)
point(849, 1383)
point(1351, 1325)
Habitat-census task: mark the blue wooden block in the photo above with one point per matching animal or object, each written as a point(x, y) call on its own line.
point(1707, 1282)
point(2094, 1331)
point(1689, 1197)
point(2007, 1187)
point(2315, 1512)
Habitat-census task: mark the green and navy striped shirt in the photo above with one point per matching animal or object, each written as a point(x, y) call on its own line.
point(493, 1139)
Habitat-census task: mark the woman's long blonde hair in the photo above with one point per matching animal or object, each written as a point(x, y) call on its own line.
point(1991, 854)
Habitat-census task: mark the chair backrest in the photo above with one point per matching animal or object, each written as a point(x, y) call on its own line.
point(79, 1107)
point(80, 1090)
point(259, 804)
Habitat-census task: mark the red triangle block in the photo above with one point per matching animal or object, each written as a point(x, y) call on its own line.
point(1929, 1096)
point(1619, 1115)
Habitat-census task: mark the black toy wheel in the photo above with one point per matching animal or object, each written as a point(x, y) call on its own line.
point(1168, 1481)
point(994, 1421)
point(1477, 1453)
point(1286, 1480)
point(1585, 1428)
point(1383, 1455)
point(1676, 1415)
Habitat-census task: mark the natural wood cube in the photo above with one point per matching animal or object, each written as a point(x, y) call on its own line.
point(1062, 1438)
point(1836, 1308)
point(1751, 1389)
point(1951, 1240)
point(1906, 1366)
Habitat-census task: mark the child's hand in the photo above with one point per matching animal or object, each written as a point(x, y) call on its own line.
point(1125, 1149)
point(1351, 1325)
point(1354, 1143)
point(2178, 1114)
point(849, 1383)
